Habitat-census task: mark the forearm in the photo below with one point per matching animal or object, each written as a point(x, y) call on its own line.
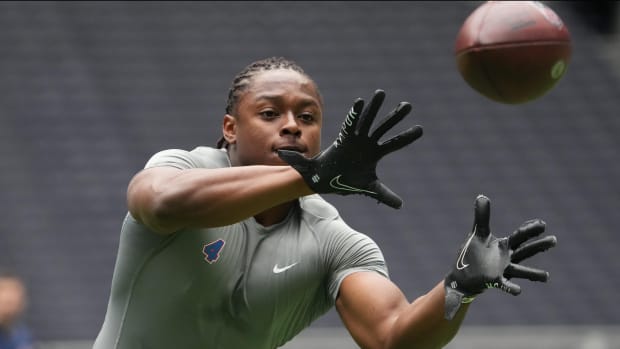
point(422, 324)
point(212, 197)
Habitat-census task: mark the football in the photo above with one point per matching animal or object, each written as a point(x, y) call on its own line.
point(513, 51)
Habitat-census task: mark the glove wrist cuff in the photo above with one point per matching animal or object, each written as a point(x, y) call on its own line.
point(467, 300)
point(454, 298)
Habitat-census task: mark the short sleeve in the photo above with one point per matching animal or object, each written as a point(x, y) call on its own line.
point(201, 157)
point(352, 252)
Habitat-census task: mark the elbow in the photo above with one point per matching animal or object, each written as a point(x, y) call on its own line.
point(158, 212)
point(161, 213)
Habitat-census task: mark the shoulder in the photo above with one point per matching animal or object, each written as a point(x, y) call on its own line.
point(324, 219)
point(343, 250)
point(314, 207)
point(199, 157)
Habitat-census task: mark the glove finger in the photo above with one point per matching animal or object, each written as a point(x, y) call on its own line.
point(395, 116)
point(526, 231)
point(293, 158)
point(523, 272)
point(401, 140)
point(369, 114)
point(533, 247)
point(482, 216)
point(350, 122)
point(385, 195)
point(509, 286)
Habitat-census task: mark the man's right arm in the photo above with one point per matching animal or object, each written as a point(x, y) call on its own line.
point(167, 199)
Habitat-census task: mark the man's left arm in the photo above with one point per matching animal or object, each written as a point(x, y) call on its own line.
point(378, 315)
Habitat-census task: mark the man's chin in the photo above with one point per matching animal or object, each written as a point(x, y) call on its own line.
point(276, 160)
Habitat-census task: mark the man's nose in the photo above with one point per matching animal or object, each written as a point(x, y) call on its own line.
point(290, 125)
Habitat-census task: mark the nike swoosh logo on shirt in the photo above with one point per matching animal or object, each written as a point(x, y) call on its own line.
point(460, 262)
point(336, 184)
point(278, 270)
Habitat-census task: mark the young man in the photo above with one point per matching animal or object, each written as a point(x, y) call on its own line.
point(232, 248)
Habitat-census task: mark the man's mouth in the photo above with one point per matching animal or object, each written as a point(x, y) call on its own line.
point(297, 149)
point(290, 147)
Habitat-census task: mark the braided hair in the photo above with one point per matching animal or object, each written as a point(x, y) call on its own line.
point(241, 82)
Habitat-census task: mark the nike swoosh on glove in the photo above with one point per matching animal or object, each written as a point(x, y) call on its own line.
point(349, 165)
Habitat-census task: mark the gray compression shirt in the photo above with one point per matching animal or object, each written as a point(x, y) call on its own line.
point(232, 287)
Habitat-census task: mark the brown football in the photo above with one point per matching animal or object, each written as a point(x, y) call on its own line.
point(513, 51)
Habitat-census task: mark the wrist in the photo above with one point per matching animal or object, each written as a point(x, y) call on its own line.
point(455, 296)
point(301, 185)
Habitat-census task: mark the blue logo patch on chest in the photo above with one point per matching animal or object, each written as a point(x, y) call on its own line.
point(212, 250)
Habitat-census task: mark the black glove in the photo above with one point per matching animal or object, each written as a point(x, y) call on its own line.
point(348, 166)
point(486, 261)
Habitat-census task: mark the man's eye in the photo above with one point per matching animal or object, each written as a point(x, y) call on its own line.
point(268, 114)
point(306, 117)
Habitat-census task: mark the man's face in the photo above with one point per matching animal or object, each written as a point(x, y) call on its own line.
point(281, 109)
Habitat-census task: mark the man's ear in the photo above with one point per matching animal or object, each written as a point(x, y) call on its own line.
point(229, 129)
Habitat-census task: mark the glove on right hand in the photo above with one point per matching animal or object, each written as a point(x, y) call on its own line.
point(348, 166)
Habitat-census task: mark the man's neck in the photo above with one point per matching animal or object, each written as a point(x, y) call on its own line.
point(275, 214)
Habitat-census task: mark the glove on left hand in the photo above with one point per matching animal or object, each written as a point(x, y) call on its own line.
point(486, 261)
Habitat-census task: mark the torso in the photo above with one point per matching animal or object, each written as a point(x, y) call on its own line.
point(234, 287)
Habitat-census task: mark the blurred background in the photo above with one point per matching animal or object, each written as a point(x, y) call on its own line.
point(90, 90)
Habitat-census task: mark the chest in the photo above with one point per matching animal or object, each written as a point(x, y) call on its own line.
point(244, 273)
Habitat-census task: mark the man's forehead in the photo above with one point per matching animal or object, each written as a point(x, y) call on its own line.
point(271, 83)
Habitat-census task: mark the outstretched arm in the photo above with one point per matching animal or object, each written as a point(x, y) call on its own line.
point(167, 199)
point(377, 314)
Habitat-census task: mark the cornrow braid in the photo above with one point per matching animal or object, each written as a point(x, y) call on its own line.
point(242, 81)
